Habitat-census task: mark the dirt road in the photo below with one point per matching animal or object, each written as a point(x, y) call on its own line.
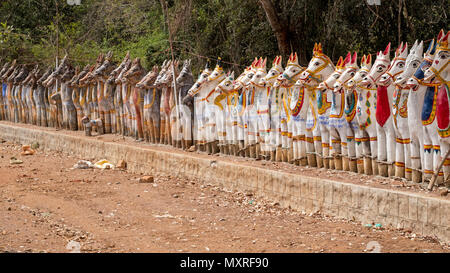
point(45, 206)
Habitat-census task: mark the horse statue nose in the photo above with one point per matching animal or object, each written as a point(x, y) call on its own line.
point(336, 86)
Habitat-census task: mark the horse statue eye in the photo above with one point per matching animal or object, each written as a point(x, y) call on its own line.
point(317, 63)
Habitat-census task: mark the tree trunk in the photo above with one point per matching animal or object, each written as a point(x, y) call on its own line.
point(279, 28)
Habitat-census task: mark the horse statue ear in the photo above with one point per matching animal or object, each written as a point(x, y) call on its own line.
point(419, 49)
point(363, 60)
point(369, 60)
point(207, 64)
point(355, 56)
point(386, 51)
point(219, 62)
point(275, 61)
point(348, 58)
point(441, 33)
point(232, 75)
point(443, 43)
point(109, 55)
point(64, 59)
point(430, 48)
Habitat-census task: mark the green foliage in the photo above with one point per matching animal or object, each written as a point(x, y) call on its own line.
point(237, 31)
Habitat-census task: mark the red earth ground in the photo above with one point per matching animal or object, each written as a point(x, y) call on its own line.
point(46, 206)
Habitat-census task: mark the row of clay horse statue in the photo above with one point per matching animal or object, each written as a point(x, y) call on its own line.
point(389, 118)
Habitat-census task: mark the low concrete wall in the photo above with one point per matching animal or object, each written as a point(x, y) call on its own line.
point(422, 214)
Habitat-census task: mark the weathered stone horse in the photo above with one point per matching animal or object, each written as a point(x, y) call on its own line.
point(40, 99)
point(152, 100)
point(185, 81)
point(132, 77)
point(164, 108)
point(28, 98)
point(121, 99)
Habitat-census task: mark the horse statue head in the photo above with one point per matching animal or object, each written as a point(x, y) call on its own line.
point(44, 76)
point(329, 82)
point(217, 75)
point(162, 73)
point(106, 67)
point(260, 74)
point(61, 67)
point(198, 84)
point(75, 81)
point(440, 68)
point(14, 73)
point(120, 77)
point(366, 65)
point(134, 74)
point(380, 66)
point(350, 69)
point(67, 74)
point(318, 68)
point(167, 78)
point(412, 63)
point(10, 70)
point(4, 69)
point(32, 77)
point(418, 77)
point(246, 76)
point(115, 72)
point(226, 85)
point(185, 76)
point(147, 81)
point(291, 72)
point(18, 79)
point(89, 77)
point(397, 65)
point(274, 72)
